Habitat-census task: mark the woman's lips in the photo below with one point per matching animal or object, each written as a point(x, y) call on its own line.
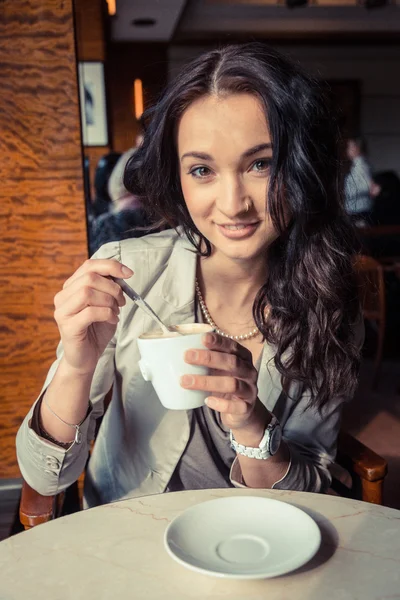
point(237, 232)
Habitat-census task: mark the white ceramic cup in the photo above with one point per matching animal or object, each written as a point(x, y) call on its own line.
point(162, 362)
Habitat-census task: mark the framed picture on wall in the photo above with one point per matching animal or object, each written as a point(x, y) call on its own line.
point(93, 104)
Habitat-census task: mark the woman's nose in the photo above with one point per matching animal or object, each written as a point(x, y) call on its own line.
point(232, 197)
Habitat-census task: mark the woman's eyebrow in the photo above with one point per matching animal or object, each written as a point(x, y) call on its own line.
point(246, 154)
point(200, 155)
point(256, 149)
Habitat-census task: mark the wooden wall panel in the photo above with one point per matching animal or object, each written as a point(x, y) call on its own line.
point(89, 25)
point(42, 210)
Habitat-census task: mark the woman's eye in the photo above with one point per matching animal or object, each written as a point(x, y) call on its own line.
point(261, 165)
point(200, 172)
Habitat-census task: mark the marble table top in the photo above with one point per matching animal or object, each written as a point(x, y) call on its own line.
point(116, 552)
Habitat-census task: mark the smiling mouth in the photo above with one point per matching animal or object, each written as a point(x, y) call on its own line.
point(237, 226)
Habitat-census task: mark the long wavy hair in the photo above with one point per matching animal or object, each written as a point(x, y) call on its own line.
point(310, 285)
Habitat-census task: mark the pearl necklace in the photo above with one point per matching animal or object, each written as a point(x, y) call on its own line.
point(207, 316)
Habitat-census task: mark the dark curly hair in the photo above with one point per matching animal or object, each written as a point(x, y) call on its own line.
point(310, 284)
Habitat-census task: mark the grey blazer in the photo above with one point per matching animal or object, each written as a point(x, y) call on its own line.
point(139, 442)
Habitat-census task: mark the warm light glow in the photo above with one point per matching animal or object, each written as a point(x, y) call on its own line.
point(138, 97)
point(112, 7)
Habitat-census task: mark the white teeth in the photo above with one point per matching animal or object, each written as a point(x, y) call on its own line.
point(234, 227)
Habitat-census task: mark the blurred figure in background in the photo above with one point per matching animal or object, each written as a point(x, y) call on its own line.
point(126, 217)
point(359, 187)
point(105, 166)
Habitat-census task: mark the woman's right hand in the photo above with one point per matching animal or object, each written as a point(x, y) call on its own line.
point(86, 312)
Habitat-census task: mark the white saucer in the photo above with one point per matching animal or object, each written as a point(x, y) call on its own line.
point(242, 537)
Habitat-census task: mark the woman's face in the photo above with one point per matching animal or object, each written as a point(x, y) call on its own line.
point(224, 152)
point(353, 149)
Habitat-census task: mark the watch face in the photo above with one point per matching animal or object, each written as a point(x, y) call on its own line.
point(275, 440)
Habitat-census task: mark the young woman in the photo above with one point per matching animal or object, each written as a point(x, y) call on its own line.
point(240, 158)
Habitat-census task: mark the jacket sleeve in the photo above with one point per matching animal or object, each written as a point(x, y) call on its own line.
point(311, 436)
point(45, 466)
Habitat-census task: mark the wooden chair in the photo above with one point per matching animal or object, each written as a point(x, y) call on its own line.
point(364, 475)
point(372, 290)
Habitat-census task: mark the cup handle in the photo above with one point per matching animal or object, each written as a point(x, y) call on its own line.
point(145, 370)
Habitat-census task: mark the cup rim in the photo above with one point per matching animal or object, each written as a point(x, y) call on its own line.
point(203, 328)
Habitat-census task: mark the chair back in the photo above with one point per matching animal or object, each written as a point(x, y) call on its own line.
point(372, 287)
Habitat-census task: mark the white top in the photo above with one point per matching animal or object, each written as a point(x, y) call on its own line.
point(116, 552)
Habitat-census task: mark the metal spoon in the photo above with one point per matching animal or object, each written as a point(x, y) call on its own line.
point(141, 303)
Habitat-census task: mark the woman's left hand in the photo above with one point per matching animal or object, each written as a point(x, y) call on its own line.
point(232, 383)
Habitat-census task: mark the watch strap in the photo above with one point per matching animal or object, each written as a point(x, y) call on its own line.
point(262, 452)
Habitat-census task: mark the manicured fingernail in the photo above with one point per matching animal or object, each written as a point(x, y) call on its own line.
point(126, 271)
point(187, 380)
point(209, 338)
point(191, 355)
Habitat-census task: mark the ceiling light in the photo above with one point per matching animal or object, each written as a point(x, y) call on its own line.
point(138, 97)
point(296, 3)
point(111, 7)
point(144, 22)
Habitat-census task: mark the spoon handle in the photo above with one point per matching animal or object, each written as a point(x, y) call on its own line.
point(130, 292)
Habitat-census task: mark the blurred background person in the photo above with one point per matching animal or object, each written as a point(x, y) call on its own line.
point(102, 201)
point(359, 186)
point(126, 217)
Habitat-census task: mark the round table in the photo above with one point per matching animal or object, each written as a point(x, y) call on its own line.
point(116, 552)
